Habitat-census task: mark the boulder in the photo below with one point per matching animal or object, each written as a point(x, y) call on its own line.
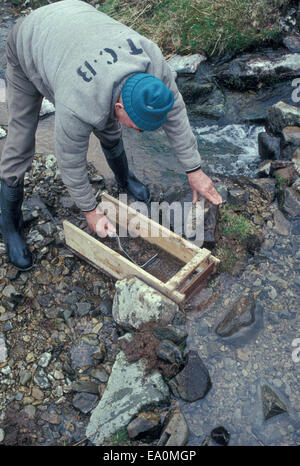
point(186, 65)
point(290, 141)
point(193, 382)
point(292, 42)
point(268, 146)
point(136, 303)
point(249, 70)
point(129, 391)
point(191, 90)
point(176, 431)
point(240, 315)
point(281, 115)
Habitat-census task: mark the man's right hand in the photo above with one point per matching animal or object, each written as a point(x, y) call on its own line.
point(99, 223)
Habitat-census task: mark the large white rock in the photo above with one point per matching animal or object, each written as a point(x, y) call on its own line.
point(136, 303)
point(129, 391)
point(186, 65)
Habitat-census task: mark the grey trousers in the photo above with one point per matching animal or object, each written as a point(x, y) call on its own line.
point(24, 103)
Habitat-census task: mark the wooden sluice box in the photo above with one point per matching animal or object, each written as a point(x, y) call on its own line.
point(199, 262)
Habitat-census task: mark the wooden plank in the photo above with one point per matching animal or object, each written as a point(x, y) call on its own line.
point(153, 232)
point(192, 286)
point(183, 273)
point(110, 261)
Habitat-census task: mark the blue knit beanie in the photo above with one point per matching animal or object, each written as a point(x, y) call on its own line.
point(147, 100)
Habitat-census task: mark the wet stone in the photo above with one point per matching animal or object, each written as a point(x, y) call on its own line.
point(169, 352)
point(42, 380)
point(99, 374)
point(85, 402)
point(271, 403)
point(85, 387)
point(168, 332)
point(220, 435)
point(175, 431)
point(83, 308)
point(45, 360)
point(241, 315)
point(25, 376)
point(193, 382)
point(146, 426)
point(81, 354)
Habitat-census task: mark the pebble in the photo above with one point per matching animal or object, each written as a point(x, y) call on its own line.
point(41, 380)
point(45, 360)
point(2, 435)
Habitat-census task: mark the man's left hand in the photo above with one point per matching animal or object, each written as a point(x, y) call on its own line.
point(202, 184)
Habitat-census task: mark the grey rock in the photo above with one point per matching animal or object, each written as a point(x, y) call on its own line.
point(291, 202)
point(99, 374)
point(292, 42)
point(25, 376)
point(41, 379)
point(128, 392)
point(268, 146)
point(290, 141)
point(84, 386)
point(267, 186)
point(192, 90)
point(45, 360)
point(9, 291)
point(169, 332)
point(85, 402)
point(176, 431)
point(281, 115)
point(136, 303)
point(193, 382)
point(47, 228)
point(271, 403)
point(83, 308)
point(240, 315)
point(248, 70)
point(81, 354)
point(186, 64)
point(169, 352)
point(3, 349)
point(281, 224)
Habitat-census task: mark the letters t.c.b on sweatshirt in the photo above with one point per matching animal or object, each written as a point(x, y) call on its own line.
point(79, 59)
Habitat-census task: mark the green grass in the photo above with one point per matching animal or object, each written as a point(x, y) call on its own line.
point(189, 26)
point(213, 27)
point(234, 225)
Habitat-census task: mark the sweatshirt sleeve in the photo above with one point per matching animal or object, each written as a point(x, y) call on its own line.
point(71, 146)
point(177, 126)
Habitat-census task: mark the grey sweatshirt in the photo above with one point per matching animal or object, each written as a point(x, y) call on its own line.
point(78, 58)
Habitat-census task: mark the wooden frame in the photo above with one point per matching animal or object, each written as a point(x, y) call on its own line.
point(179, 287)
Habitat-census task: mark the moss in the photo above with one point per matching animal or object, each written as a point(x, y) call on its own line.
point(235, 226)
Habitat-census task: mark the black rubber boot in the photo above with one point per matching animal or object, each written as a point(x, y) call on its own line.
point(126, 179)
point(12, 227)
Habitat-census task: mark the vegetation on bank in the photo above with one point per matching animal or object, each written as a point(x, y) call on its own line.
point(212, 27)
point(190, 26)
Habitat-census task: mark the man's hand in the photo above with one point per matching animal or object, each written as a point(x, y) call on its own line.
point(202, 184)
point(99, 223)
